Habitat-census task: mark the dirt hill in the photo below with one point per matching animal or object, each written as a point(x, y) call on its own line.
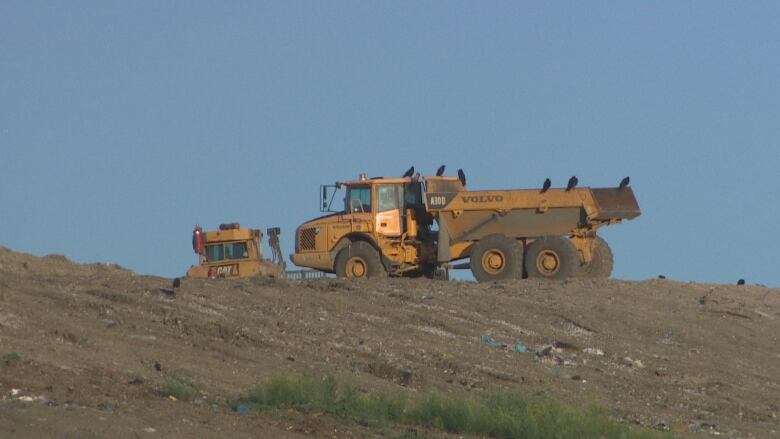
point(81, 346)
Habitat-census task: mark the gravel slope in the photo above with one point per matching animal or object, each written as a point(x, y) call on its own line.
point(692, 358)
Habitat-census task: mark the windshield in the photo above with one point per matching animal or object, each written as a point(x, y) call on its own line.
point(358, 199)
point(215, 252)
point(231, 250)
point(236, 250)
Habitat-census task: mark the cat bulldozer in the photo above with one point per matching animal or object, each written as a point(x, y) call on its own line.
point(234, 252)
point(413, 226)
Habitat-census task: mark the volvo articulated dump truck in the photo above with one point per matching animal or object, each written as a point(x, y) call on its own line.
point(414, 226)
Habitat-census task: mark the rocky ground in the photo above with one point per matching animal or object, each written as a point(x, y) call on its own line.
point(79, 346)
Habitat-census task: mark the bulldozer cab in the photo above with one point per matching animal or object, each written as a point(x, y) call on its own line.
point(230, 252)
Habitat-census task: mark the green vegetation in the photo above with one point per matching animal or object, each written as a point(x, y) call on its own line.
point(179, 386)
point(498, 414)
point(11, 357)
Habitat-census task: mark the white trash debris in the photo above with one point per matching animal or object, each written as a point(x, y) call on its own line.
point(593, 351)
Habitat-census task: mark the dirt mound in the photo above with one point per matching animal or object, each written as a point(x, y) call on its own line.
point(55, 265)
point(86, 348)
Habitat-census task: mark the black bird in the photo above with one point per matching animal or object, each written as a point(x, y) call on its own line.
point(661, 276)
point(572, 183)
point(546, 185)
point(157, 366)
point(176, 282)
point(440, 171)
point(741, 282)
point(408, 172)
point(624, 183)
point(462, 177)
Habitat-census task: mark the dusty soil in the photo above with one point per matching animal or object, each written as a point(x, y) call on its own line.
point(79, 343)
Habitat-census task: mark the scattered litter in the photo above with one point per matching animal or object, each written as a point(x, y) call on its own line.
point(15, 392)
point(564, 345)
point(593, 351)
point(633, 363)
point(26, 398)
point(149, 430)
point(484, 339)
point(106, 407)
point(172, 398)
point(243, 409)
point(548, 350)
point(546, 355)
point(518, 347)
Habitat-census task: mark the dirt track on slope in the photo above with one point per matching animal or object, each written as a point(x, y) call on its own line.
point(79, 345)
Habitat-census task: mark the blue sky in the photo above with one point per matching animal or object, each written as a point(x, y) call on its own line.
point(122, 124)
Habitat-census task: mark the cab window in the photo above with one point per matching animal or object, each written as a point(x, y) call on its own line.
point(215, 252)
point(389, 197)
point(358, 199)
point(412, 195)
point(236, 250)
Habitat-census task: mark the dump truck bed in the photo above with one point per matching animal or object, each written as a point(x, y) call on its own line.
point(466, 216)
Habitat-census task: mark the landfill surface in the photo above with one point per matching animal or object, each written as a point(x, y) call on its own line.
point(85, 349)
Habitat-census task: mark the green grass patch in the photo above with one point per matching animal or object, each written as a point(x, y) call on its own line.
point(10, 357)
point(179, 386)
point(510, 415)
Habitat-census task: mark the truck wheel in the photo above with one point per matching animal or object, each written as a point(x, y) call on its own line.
point(359, 259)
point(601, 264)
point(551, 257)
point(497, 257)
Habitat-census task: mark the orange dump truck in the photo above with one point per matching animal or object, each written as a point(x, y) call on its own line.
point(412, 226)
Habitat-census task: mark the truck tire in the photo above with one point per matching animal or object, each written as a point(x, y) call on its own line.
point(497, 257)
point(601, 264)
point(358, 260)
point(551, 257)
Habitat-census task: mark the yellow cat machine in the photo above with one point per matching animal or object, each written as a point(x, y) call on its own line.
point(412, 226)
point(235, 252)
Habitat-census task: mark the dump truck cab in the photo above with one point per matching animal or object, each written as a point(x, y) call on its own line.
point(231, 252)
point(386, 215)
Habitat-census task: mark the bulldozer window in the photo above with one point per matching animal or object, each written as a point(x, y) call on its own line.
point(358, 199)
point(389, 197)
point(236, 250)
point(215, 252)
